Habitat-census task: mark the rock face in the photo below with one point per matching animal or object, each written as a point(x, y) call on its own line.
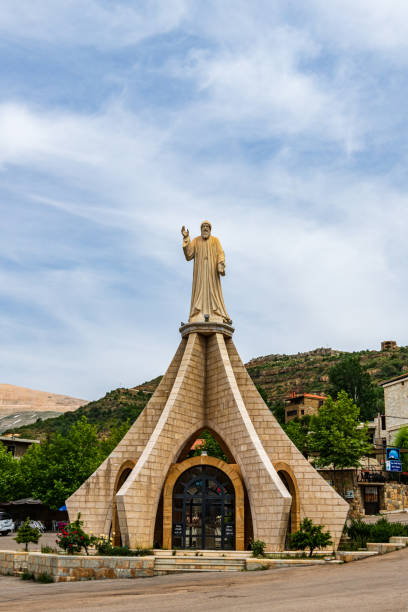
point(21, 406)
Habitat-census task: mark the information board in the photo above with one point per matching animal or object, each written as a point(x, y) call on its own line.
point(394, 466)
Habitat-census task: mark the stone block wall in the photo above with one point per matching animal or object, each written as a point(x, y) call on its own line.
point(347, 480)
point(318, 500)
point(206, 385)
point(94, 498)
point(69, 568)
point(181, 416)
point(228, 415)
point(395, 496)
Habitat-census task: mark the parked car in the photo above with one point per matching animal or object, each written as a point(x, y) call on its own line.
point(6, 523)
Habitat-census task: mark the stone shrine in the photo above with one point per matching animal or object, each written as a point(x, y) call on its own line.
point(148, 493)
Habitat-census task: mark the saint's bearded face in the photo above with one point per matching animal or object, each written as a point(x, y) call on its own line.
point(205, 231)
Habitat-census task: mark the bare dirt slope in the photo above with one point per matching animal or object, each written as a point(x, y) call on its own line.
point(21, 406)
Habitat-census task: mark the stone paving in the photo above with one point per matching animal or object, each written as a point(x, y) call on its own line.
point(47, 539)
point(372, 585)
point(392, 517)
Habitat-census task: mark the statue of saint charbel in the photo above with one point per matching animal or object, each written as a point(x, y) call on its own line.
point(207, 303)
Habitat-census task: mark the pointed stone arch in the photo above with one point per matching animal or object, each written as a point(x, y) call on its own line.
point(233, 473)
point(121, 477)
point(190, 441)
point(288, 477)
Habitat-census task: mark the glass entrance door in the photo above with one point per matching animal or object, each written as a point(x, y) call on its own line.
point(204, 510)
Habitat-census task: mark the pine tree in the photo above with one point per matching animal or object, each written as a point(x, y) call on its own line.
point(27, 534)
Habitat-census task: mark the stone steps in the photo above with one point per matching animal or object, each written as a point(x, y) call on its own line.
point(209, 554)
point(399, 540)
point(384, 547)
point(172, 564)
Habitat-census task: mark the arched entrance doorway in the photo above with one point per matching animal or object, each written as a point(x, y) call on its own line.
point(203, 505)
point(121, 478)
point(204, 510)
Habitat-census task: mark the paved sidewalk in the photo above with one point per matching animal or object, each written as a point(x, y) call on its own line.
point(393, 517)
point(47, 539)
point(377, 584)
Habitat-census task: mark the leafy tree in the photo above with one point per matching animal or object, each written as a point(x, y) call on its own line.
point(11, 484)
point(278, 411)
point(211, 446)
point(401, 440)
point(262, 392)
point(298, 431)
point(335, 436)
point(349, 375)
point(56, 468)
point(108, 444)
point(391, 368)
point(310, 536)
point(27, 534)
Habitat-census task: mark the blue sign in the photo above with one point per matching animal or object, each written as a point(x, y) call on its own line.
point(393, 454)
point(393, 465)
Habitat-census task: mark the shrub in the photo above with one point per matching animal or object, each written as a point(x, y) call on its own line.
point(26, 575)
point(358, 532)
point(382, 530)
point(45, 578)
point(73, 538)
point(104, 547)
point(27, 534)
point(258, 548)
point(310, 536)
point(49, 550)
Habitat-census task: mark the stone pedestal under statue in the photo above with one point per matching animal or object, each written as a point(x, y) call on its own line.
point(148, 493)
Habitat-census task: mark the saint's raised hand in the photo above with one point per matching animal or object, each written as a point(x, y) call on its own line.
point(185, 232)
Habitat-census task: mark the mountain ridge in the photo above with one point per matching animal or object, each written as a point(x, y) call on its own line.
point(275, 375)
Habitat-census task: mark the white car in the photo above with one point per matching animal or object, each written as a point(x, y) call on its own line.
point(6, 523)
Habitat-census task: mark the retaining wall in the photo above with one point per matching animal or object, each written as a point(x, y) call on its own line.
point(66, 568)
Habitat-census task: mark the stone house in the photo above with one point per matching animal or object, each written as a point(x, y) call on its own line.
point(299, 405)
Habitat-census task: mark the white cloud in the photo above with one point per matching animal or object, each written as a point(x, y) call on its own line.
point(314, 238)
point(363, 25)
point(91, 23)
point(260, 90)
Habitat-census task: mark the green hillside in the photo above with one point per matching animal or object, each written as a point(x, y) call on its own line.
point(309, 372)
point(115, 408)
point(276, 375)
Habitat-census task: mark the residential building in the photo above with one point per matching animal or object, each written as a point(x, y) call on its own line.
point(302, 404)
point(395, 406)
point(17, 446)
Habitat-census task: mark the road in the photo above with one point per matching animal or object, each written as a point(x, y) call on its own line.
point(374, 584)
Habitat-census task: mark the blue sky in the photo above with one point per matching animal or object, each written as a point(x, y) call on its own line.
point(284, 123)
